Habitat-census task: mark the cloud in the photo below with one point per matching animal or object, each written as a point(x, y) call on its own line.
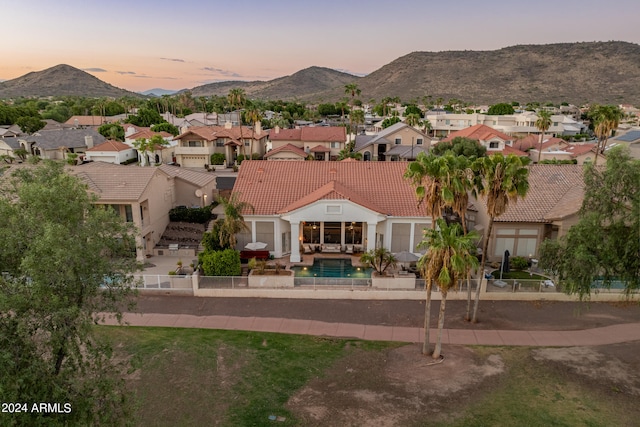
point(125, 72)
point(137, 76)
point(173, 59)
point(95, 70)
point(226, 73)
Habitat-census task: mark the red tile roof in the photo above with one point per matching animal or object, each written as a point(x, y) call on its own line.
point(148, 134)
point(110, 145)
point(274, 187)
point(211, 133)
point(320, 149)
point(311, 134)
point(288, 147)
point(479, 133)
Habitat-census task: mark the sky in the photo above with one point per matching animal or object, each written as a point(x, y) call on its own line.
point(142, 44)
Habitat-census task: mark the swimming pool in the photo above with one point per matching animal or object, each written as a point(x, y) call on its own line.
point(332, 268)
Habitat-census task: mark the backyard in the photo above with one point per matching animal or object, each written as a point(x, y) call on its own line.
point(210, 377)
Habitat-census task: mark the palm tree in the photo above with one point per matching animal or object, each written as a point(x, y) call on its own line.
point(380, 259)
point(233, 221)
point(500, 180)
point(353, 90)
point(357, 117)
point(606, 118)
point(413, 119)
point(237, 98)
point(425, 174)
point(426, 126)
point(543, 124)
point(449, 258)
point(342, 105)
point(253, 115)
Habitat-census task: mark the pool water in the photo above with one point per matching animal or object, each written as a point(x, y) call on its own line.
point(332, 268)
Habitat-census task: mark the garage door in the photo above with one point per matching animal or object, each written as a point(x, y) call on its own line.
point(193, 161)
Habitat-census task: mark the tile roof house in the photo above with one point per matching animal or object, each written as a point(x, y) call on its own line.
point(110, 151)
point(196, 145)
point(322, 142)
point(347, 203)
point(89, 121)
point(397, 142)
point(494, 140)
point(55, 144)
point(144, 195)
point(549, 209)
point(161, 154)
point(559, 149)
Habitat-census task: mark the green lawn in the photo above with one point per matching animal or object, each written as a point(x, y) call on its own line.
point(196, 377)
point(210, 377)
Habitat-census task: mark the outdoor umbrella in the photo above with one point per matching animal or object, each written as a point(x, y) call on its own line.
point(406, 256)
point(505, 261)
point(255, 246)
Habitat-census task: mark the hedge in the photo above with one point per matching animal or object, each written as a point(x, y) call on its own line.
point(220, 263)
point(196, 215)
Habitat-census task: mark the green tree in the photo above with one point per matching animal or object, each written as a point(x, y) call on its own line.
point(426, 175)
point(449, 258)
point(413, 109)
point(500, 180)
point(146, 146)
point(357, 118)
point(237, 99)
point(253, 115)
point(501, 109)
point(112, 131)
point(30, 124)
point(606, 119)
point(327, 110)
point(390, 121)
point(380, 259)
point(233, 221)
point(65, 260)
point(353, 90)
point(543, 123)
point(605, 243)
point(146, 118)
point(460, 146)
point(221, 263)
point(413, 119)
point(166, 127)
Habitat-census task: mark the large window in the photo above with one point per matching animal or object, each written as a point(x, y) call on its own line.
point(353, 233)
point(332, 232)
point(311, 232)
point(195, 144)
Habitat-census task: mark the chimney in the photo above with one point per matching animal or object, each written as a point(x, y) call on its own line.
point(228, 125)
point(277, 129)
point(258, 128)
point(88, 141)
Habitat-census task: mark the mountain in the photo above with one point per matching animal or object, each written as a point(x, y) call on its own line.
point(603, 72)
point(303, 84)
point(159, 92)
point(61, 80)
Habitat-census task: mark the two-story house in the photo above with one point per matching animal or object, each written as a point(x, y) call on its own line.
point(321, 142)
point(196, 145)
point(397, 142)
point(494, 140)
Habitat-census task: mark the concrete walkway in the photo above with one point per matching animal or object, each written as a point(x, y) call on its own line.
point(588, 337)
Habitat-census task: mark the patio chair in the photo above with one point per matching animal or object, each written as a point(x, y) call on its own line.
point(349, 249)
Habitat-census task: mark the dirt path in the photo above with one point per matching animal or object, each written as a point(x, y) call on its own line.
point(512, 315)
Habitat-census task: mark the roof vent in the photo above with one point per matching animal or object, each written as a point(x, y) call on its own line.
point(333, 170)
point(260, 170)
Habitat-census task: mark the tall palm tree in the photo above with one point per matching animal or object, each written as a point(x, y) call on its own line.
point(233, 221)
point(426, 126)
point(413, 119)
point(606, 118)
point(500, 180)
point(356, 117)
point(253, 116)
point(353, 90)
point(543, 124)
point(449, 258)
point(237, 98)
point(425, 174)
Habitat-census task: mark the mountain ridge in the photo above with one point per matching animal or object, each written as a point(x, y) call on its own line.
point(602, 72)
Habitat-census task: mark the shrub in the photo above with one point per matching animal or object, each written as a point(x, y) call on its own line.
point(256, 156)
point(218, 159)
point(195, 215)
point(220, 263)
point(240, 158)
point(519, 263)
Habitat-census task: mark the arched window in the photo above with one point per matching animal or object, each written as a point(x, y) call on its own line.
point(367, 156)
